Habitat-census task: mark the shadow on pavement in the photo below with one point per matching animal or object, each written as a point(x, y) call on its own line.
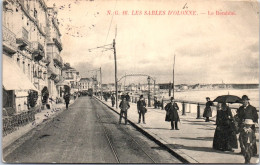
point(196, 123)
point(194, 148)
point(198, 138)
point(207, 128)
point(156, 128)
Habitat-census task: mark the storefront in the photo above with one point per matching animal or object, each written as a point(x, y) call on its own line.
point(16, 87)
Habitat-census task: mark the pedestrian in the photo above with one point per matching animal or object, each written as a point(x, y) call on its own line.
point(155, 102)
point(105, 96)
point(225, 135)
point(124, 106)
point(247, 111)
point(113, 100)
point(67, 99)
point(141, 108)
point(127, 97)
point(162, 104)
point(207, 111)
point(172, 114)
point(247, 138)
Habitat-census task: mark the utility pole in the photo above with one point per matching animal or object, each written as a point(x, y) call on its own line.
point(154, 88)
point(114, 47)
point(101, 83)
point(173, 77)
point(149, 95)
point(105, 48)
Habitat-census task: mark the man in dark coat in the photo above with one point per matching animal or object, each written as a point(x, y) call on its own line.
point(141, 108)
point(113, 100)
point(171, 109)
point(207, 111)
point(67, 99)
point(124, 106)
point(155, 102)
point(127, 97)
point(247, 111)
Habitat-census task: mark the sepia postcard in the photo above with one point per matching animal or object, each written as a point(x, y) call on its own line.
point(140, 81)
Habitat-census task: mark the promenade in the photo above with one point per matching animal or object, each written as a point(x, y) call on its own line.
point(193, 141)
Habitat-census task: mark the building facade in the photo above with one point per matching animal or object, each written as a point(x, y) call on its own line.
point(71, 77)
point(54, 48)
point(27, 42)
point(86, 83)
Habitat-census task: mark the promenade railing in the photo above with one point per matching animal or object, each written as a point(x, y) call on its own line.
point(188, 106)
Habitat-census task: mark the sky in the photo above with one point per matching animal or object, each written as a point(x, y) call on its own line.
point(207, 48)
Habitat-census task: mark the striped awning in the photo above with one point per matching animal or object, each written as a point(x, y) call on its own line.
point(13, 76)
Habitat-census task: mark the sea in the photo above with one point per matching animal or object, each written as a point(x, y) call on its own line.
point(200, 95)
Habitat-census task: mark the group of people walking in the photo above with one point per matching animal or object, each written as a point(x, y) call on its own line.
point(171, 111)
point(242, 123)
point(124, 106)
point(227, 124)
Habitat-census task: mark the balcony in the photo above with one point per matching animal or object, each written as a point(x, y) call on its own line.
point(7, 5)
point(57, 42)
point(38, 50)
point(51, 73)
point(9, 41)
point(58, 79)
point(46, 61)
point(22, 38)
point(57, 62)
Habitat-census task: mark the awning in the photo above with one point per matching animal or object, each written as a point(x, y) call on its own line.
point(62, 83)
point(13, 76)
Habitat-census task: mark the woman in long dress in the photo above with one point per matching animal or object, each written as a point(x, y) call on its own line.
point(207, 111)
point(225, 136)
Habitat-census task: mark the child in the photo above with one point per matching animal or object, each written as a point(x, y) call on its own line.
point(247, 139)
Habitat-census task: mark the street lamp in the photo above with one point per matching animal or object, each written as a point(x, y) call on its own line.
point(149, 99)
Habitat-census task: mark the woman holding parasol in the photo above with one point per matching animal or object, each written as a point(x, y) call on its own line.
point(225, 134)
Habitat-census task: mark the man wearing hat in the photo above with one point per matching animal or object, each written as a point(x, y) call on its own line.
point(171, 109)
point(124, 106)
point(113, 100)
point(247, 111)
point(141, 108)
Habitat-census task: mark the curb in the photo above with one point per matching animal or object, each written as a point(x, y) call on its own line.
point(176, 153)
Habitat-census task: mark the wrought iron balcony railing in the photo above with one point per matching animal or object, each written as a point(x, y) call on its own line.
point(9, 41)
point(22, 38)
point(38, 50)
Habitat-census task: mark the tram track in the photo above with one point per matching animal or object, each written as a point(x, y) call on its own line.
point(108, 139)
point(158, 142)
point(125, 132)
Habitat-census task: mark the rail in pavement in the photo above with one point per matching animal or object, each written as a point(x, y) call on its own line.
point(193, 142)
point(178, 154)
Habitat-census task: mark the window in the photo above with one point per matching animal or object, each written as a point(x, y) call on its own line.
point(18, 61)
point(35, 13)
point(23, 67)
point(29, 71)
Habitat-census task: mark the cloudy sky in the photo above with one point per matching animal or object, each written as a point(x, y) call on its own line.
point(208, 48)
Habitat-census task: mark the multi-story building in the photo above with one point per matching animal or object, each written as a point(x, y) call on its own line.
point(86, 83)
point(71, 76)
point(24, 46)
point(54, 47)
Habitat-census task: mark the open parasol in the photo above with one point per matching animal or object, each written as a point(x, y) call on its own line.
point(228, 99)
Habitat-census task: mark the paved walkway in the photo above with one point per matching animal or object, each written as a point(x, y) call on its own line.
point(193, 141)
point(39, 118)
